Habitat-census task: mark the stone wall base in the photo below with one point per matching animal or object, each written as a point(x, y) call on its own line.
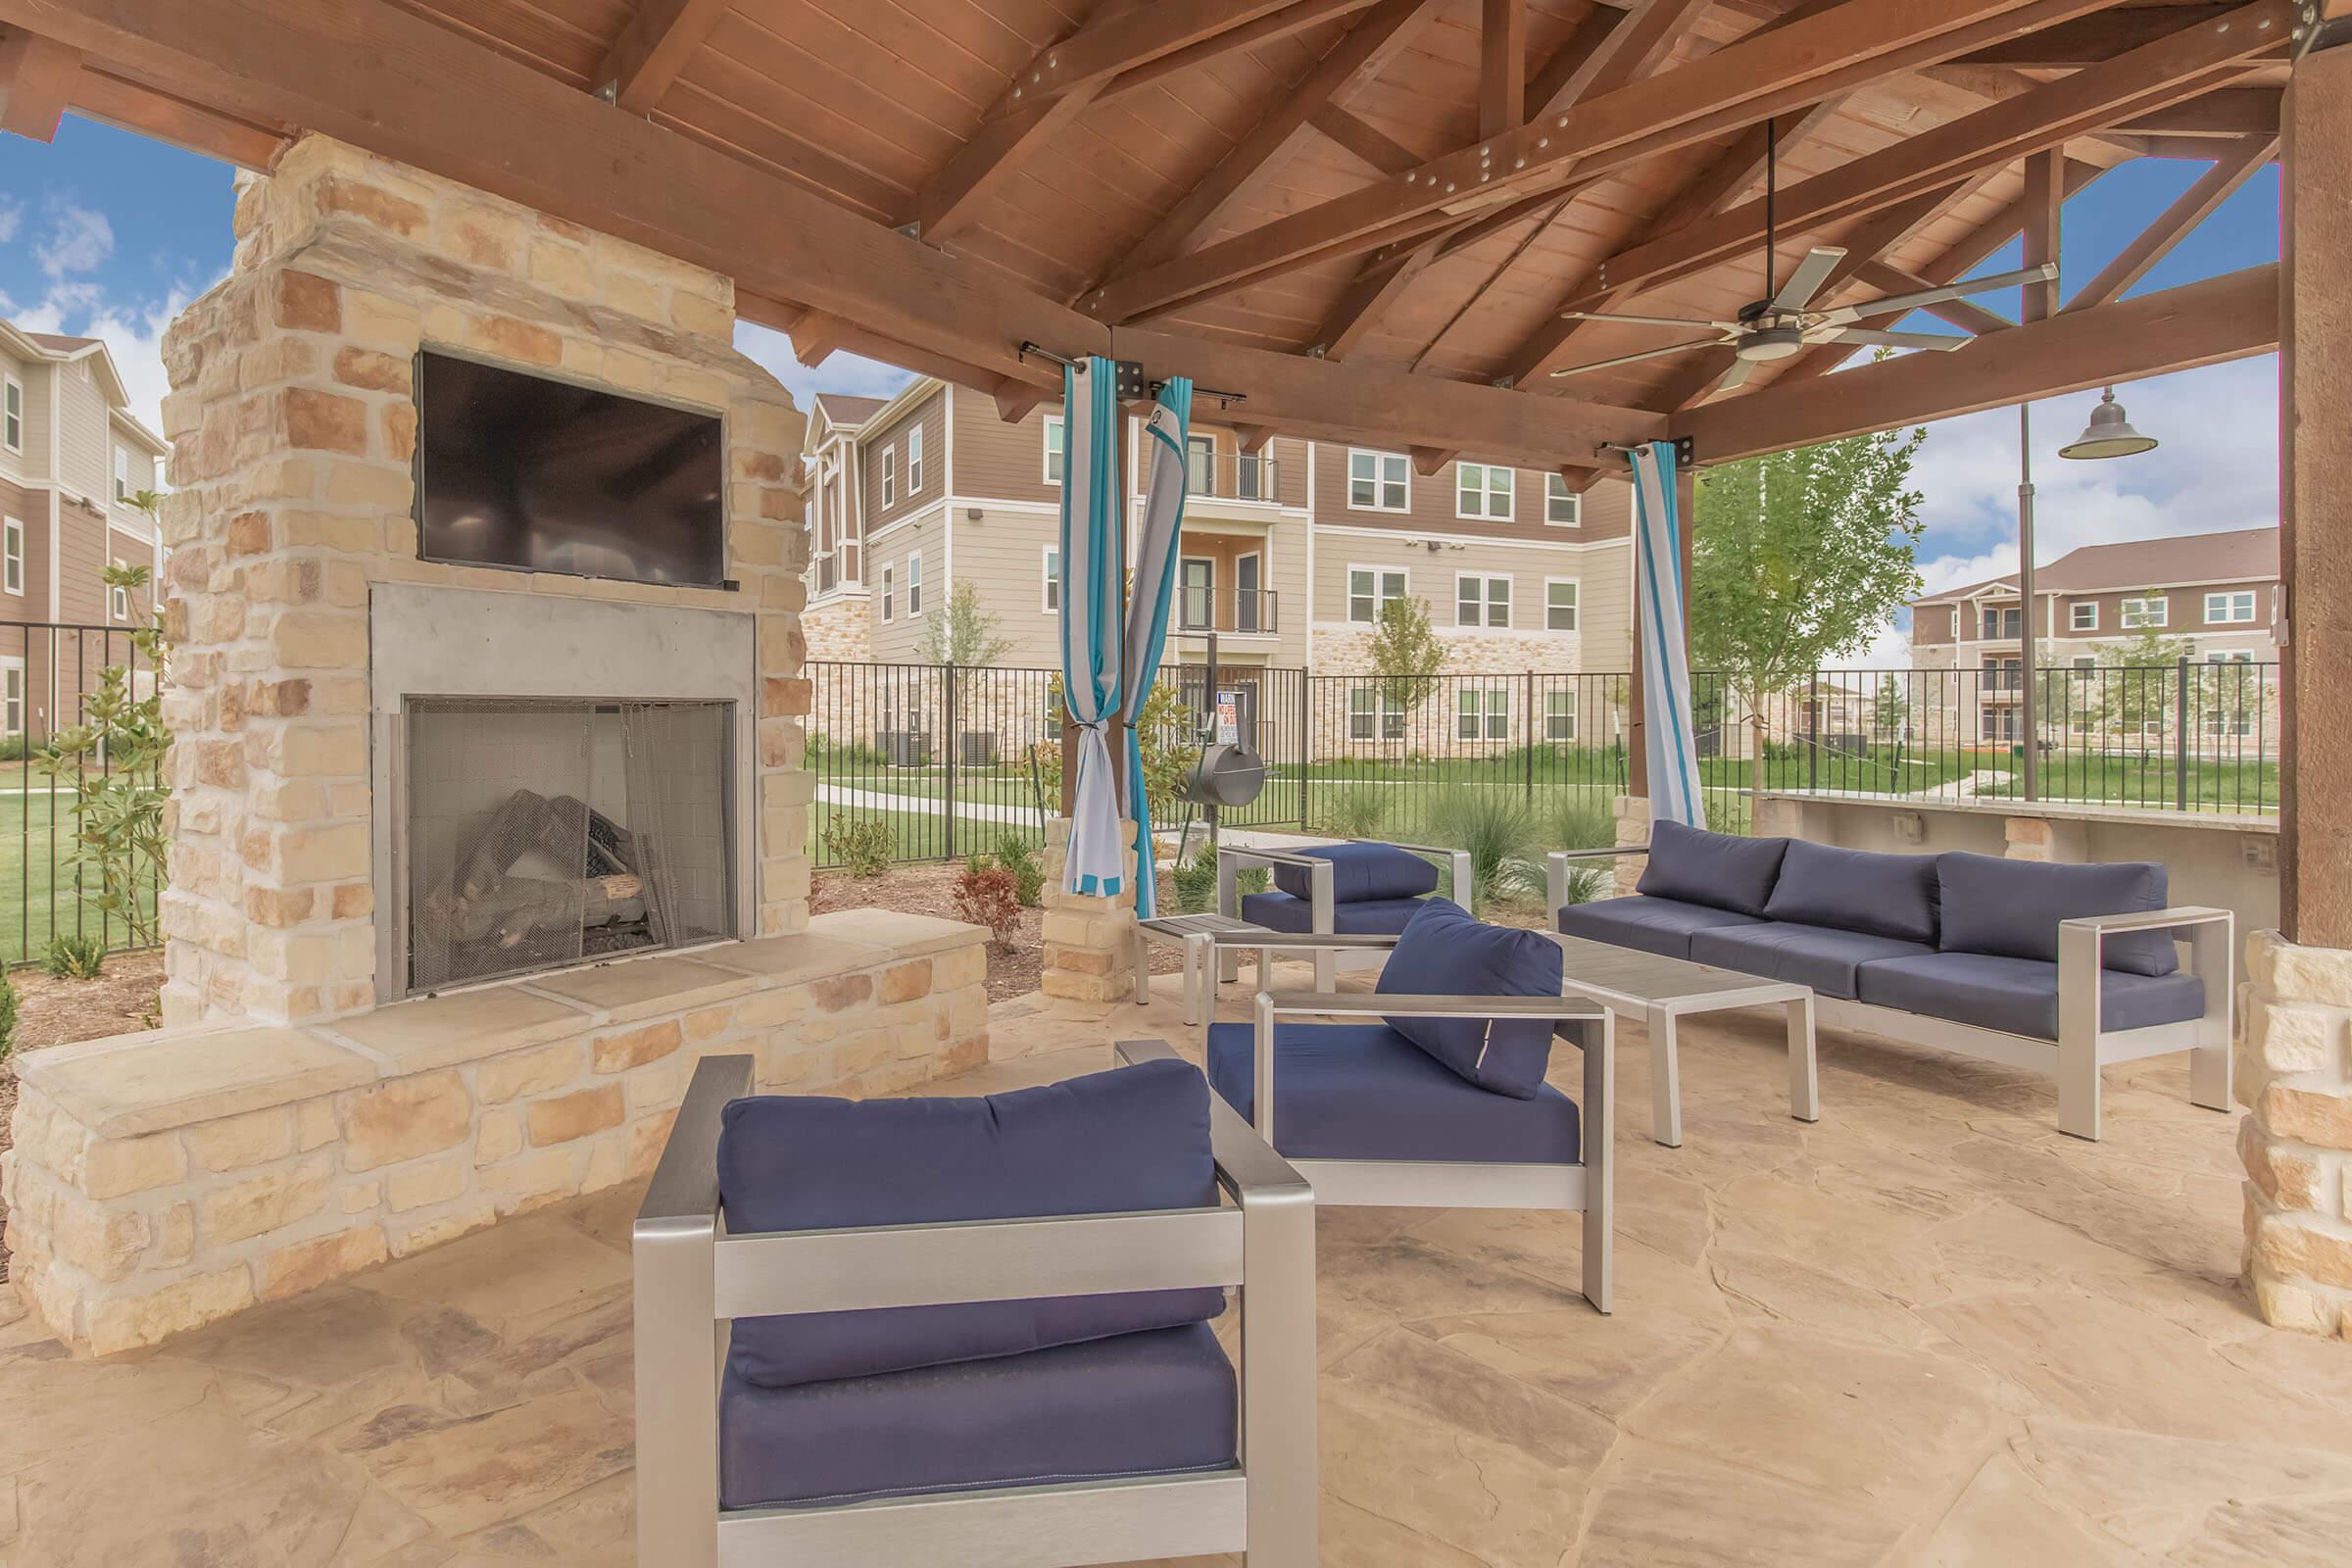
point(1090, 942)
point(2294, 1019)
point(1632, 830)
point(163, 1180)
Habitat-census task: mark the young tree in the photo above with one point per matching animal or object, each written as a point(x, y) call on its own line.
point(1405, 654)
point(2136, 684)
point(1798, 558)
point(1891, 710)
point(963, 633)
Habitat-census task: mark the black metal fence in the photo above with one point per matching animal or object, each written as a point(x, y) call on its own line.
point(47, 672)
point(933, 763)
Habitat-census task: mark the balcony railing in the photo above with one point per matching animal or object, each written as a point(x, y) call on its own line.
point(1199, 610)
point(1232, 477)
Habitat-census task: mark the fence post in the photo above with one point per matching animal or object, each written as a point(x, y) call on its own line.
point(1307, 723)
point(1531, 735)
point(949, 674)
point(2181, 744)
point(1813, 736)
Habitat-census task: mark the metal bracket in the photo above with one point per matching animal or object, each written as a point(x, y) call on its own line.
point(1131, 384)
point(1686, 450)
point(2313, 31)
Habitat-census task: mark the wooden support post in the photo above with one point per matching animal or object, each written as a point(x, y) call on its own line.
point(2315, 492)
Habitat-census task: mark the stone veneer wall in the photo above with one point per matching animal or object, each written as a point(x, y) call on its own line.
point(1090, 940)
point(294, 427)
point(2294, 1074)
point(165, 1180)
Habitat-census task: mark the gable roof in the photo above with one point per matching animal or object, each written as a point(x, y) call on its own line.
point(2232, 555)
point(848, 409)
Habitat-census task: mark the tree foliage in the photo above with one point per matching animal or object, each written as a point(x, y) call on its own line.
point(963, 633)
point(2137, 686)
point(1406, 652)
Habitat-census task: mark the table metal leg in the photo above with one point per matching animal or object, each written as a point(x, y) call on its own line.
point(1804, 1078)
point(1192, 946)
point(1665, 1080)
point(1143, 970)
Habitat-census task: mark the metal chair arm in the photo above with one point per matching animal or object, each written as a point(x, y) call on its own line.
point(2187, 914)
point(1556, 867)
point(1247, 1166)
point(1297, 939)
point(1377, 1005)
point(684, 1190)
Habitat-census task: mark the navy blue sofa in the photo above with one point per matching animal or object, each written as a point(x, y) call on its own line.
point(2057, 967)
point(1360, 888)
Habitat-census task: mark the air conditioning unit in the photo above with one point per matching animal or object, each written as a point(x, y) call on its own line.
point(976, 748)
point(904, 748)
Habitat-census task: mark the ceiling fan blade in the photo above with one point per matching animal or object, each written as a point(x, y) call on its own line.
point(1811, 272)
point(1898, 304)
point(1736, 375)
point(1941, 342)
point(1635, 358)
point(1644, 321)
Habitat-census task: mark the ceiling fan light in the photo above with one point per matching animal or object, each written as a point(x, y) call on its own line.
point(1766, 344)
point(2108, 435)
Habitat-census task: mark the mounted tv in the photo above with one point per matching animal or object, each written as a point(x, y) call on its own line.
point(533, 474)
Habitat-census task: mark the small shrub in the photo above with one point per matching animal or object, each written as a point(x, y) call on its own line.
point(1193, 883)
point(1582, 822)
point(1359, 811)
point(987, 894)
point(1586, 883)
point(1499, 830)
point(77, 957)
point(1018, 855)
point(866, 847)
point(1250, 879)
point(8, 1017)
point(829, 756)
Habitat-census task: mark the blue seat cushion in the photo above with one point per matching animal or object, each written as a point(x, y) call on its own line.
point(1135, 1138)
point(1374, 917)
point(2011, 909)
point(1653, 925)
point(1362, 1091)
point(1445, 953)
point(1819, 958)
point(1361, 873)
point(1720, 870)
point(1857, 890)
point(2020, 995)
point(1152, 1403)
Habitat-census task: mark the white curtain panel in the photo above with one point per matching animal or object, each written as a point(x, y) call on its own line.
point(1670, 744)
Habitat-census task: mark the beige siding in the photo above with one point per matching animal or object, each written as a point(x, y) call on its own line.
point(1001, 462)
point(1002, 556)
point(85, 429)
point(81, 557)
point(129, 550)
point(930, 415)
point(1432, 504)
point(1601, 640)
point(39, 415)
point(140, 473)
point(900, 640)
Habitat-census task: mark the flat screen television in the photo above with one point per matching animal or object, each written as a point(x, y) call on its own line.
point(533, 474)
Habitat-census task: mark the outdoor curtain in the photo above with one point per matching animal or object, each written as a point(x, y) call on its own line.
point(1148, 608)
point(1668, 741)
point(1092, 522)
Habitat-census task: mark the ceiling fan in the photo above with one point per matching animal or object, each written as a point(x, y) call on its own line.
point(1783, 324)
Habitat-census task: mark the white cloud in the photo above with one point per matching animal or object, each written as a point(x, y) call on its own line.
point(132, 332)
point(851, 373)
point(12, 218)
point(80, 240)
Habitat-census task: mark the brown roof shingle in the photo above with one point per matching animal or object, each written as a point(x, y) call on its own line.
point(2233, 555)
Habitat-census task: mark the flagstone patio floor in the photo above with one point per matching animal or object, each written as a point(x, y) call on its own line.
point(1928, 1330)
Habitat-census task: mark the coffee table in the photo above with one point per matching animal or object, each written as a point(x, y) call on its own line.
point(1192, 932)
point(1660, 992)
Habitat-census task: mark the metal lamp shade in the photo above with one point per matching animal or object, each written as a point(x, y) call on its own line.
point(2108, 435)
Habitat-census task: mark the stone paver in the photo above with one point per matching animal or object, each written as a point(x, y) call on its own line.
point(1925, 1332)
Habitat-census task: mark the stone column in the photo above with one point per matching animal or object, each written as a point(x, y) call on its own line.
point(1090, 942)
point(1632, 830)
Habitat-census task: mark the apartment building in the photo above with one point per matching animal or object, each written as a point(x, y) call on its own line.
point(1289, 550)
point(2212, 593)
point(71, 459)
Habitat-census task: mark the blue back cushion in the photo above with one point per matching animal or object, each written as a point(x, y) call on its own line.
point(2011, 909)
point(1856, 890)
point(1361, 872)
point(1717, 869)
point(1443, 953)
point(1136, 1138)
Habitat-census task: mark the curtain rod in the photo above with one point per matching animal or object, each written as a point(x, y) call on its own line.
point(1133, 371)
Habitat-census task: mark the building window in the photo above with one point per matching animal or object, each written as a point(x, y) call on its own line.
point(1374, 715)
point(1369, 591)
point(2002, 626)
point(888, 596)
point(1053, 578)
point(12, 697)
point(117, 600)
point(890, 474)
point(1562, 506)
point(2084, 618)
point(1196, 593)
point(914, 461)
point(12, 556)
point(1955, 623)
point(1559, 715)
point(1200, 465)
point(1559, 605)
point(2230, 610)
point(121, 474)
point(2143, 613)
point(2086, 667)
point(1053, 439)
point(11, 415)
point(914, 583)
point(1482, 601)
point(1379, 481)
point(1482, 490)
point(1495, 703)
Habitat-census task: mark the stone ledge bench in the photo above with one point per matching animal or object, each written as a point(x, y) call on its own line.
point(161, 1181)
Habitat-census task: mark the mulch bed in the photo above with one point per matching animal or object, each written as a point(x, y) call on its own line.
point(53, 1013)
point(930, 888)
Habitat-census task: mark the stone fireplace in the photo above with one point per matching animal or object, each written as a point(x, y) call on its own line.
point(469, 864)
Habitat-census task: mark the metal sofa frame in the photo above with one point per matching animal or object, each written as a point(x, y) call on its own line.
point(1232, 859)
point(2082, 1047)
point(1586, 1187)
point(691, 1278)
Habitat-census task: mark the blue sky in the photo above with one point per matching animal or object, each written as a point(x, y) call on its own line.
point(109, 234)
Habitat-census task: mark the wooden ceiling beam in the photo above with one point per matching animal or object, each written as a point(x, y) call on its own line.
point(1502, 66)
point(653, 46)
point(1629, 52)
point(101, 95)
point(2228, 317)
point(2087, 40)
point(2174, 68)
point(1357, 136)
point(1837, 49)
point(37, 77)
point(469, 113)
point(2045, 202)
point(2175, 224)
point(2230, 112)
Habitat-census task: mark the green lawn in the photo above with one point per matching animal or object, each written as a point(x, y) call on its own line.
point(2249, 787)
point(37, 888)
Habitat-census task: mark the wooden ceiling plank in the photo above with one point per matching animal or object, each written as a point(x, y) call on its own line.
point(103, 96)
point(2175, 224)
point(385, 81)
point(1631, 51)
point(2176, 66)
point(1367, 299)
point(37, 77)
point(2228, 317)
point(652, 48)
point(1137, 37)
point(2087, 40)
point(1842, 47)
point(1502, 66)
point(981, 166)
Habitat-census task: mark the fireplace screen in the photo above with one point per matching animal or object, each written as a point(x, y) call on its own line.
point(547, 833)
